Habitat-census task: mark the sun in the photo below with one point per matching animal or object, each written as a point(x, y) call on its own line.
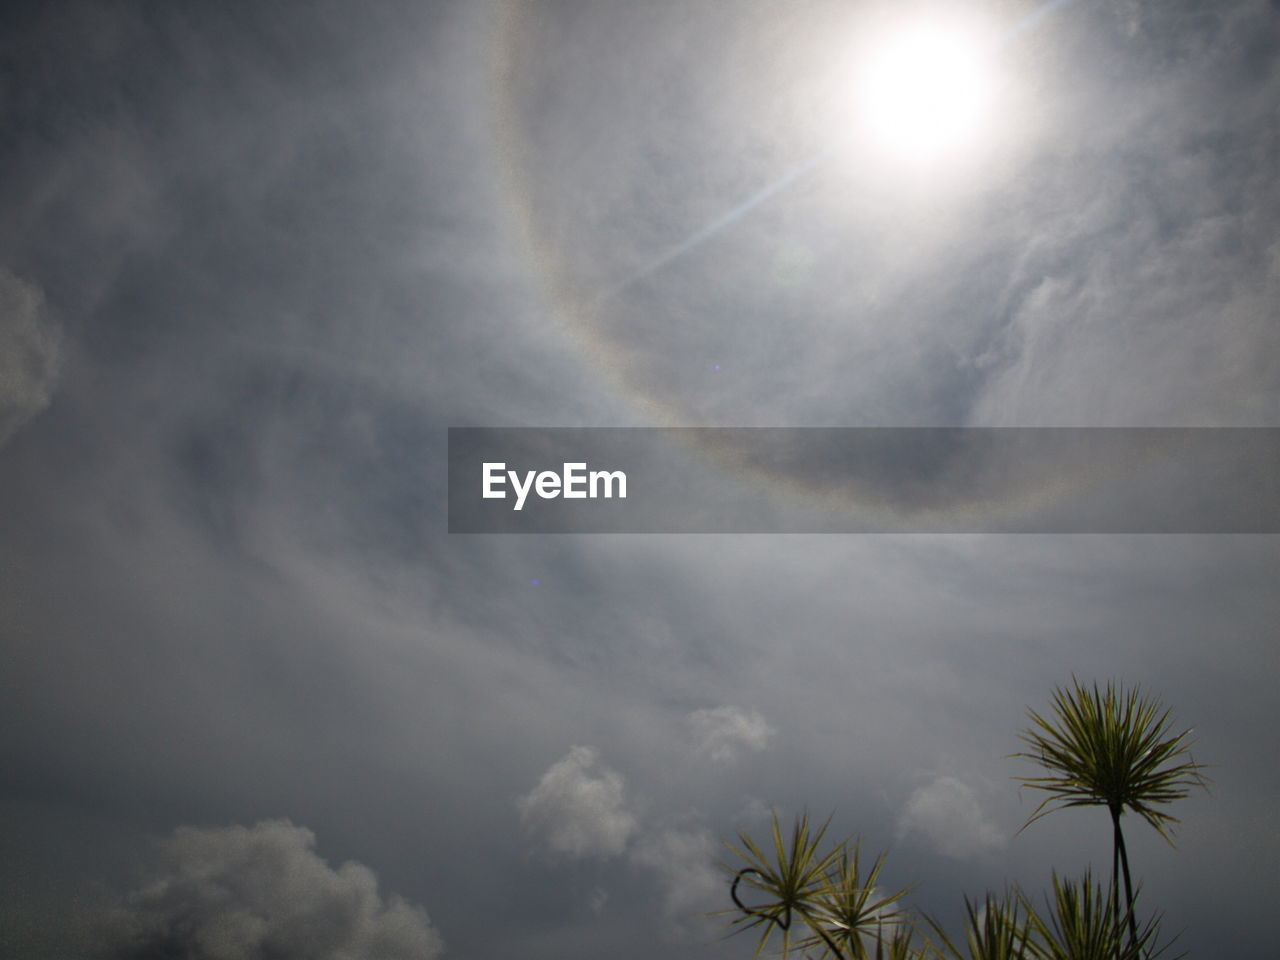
point(925, 90)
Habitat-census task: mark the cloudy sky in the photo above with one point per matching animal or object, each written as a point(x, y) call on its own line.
point(256, 259)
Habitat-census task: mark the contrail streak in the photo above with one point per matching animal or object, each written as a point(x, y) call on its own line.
point(722, 221)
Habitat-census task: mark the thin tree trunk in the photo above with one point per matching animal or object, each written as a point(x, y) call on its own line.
point(1124, 864)
point(1115, 872)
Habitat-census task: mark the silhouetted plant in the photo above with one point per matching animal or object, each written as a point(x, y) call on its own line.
point(997, 929)
point(851, 911)
point(838, 909)
point(1080, 925)
point(1111, 748)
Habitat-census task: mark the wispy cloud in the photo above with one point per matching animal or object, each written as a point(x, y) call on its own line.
point(598, 900)
point(29, 353)
point(722, 733)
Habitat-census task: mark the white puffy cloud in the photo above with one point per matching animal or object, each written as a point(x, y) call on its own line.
point(948, 813)
point(29, 352)
point(578, 808)
point(262, 893)
point(720, 733)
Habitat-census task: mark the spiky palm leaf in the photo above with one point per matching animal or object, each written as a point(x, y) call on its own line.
point(848, 912)
point(899, 946)
point(787, 877)
point(1111, 748)
point(1080, 926)
point(998, 929)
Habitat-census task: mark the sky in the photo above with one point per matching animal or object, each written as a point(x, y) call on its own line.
point(255, 260)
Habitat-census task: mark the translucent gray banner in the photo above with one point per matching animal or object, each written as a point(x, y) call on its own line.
point(864, 480)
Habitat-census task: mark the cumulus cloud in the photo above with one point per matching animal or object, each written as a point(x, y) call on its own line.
point(683, 859)
point(262, 893)
point(720, 733)
point(578, 808)
point(28, 353)
point(948, 813)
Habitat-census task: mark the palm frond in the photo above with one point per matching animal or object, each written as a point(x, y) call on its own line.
point(848, 911)
point(785, 878)
point(1110, 747)
point(997, 929)
point(1080, 924)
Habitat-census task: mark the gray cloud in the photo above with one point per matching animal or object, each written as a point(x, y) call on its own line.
point(721, 733)
point(683, 860)
point(598, 900)
point(262, 893)
point(287, 249)
point(29, 353)
point(578, 808)
point(947, 812)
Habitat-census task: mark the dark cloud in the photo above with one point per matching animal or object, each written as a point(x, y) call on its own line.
point(262, 893)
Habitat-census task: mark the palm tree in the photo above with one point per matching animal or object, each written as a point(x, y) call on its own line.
point(839, 908)
point(851, 911)
point(1076, 926)
point(998, 928)
point(1111, 748)
point(788, 876)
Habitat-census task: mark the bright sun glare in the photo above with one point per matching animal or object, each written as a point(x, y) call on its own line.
point(925, 91)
